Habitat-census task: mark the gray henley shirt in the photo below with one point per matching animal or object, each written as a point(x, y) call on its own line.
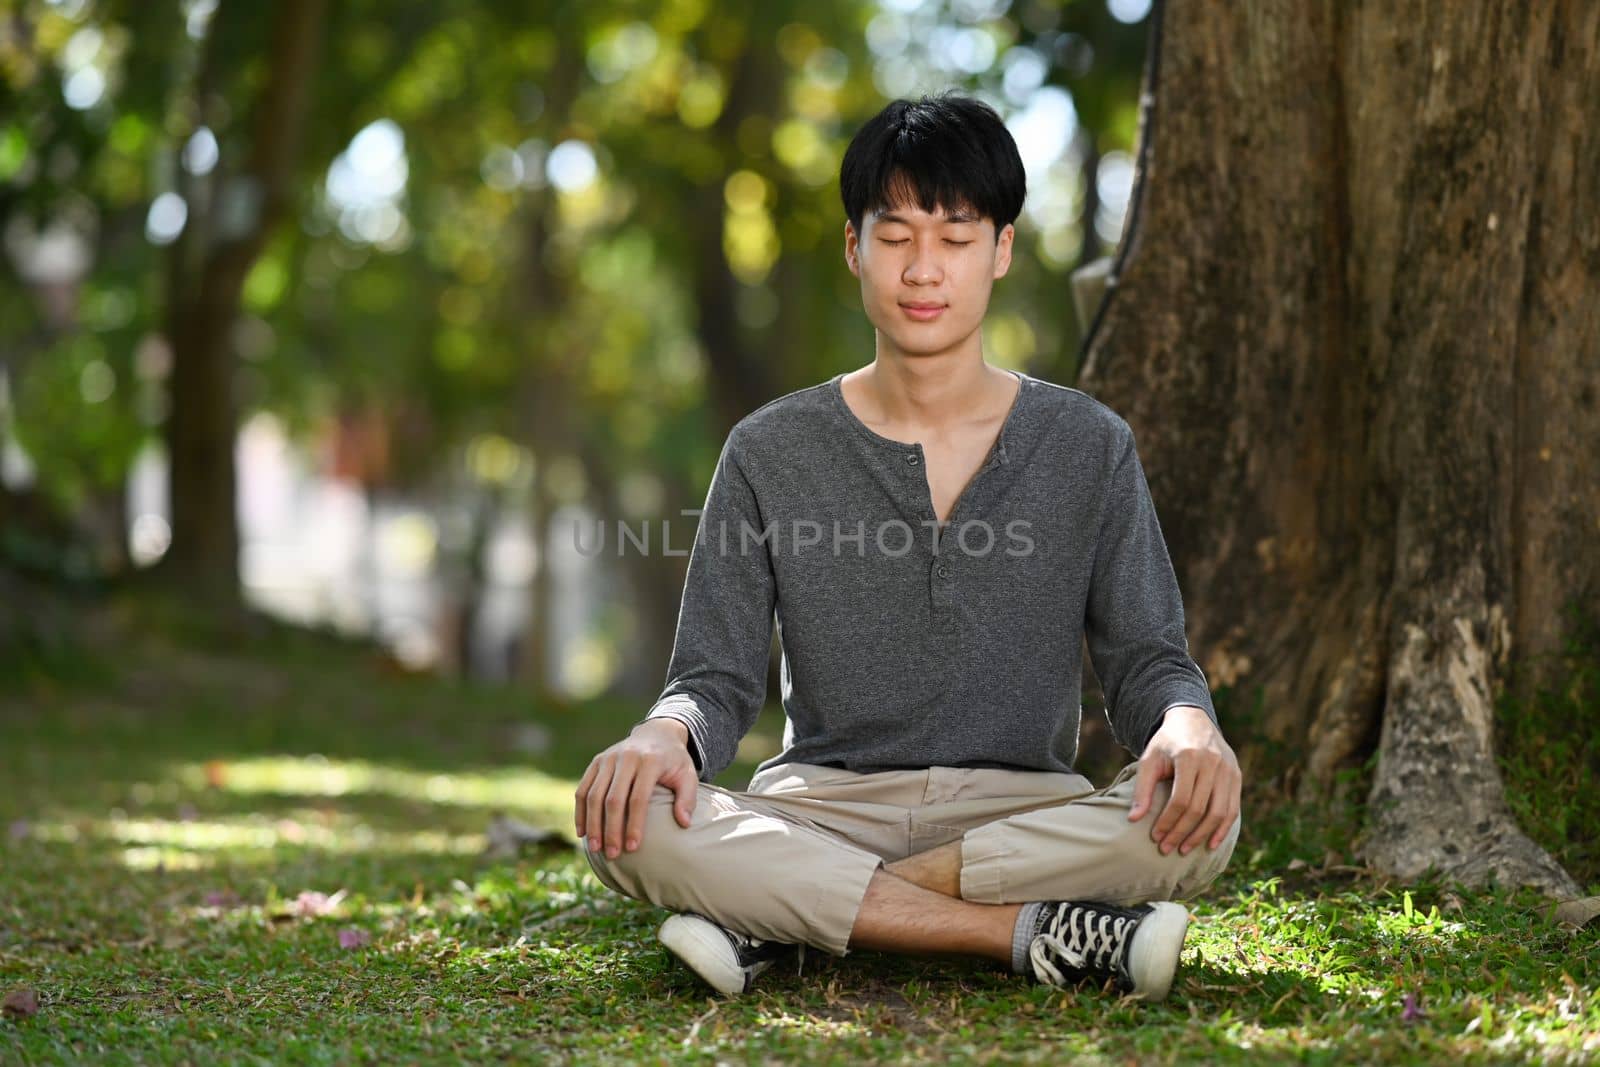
point(905, 645)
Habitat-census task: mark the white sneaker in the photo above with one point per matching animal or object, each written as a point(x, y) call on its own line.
point(1138, 946)
point(727, 960)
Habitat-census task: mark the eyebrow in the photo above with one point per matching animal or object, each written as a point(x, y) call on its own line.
point(957, 216)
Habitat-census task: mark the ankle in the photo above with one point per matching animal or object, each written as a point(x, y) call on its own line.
point(1022, 935)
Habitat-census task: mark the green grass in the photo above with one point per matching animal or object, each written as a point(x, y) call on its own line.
point(168, 792)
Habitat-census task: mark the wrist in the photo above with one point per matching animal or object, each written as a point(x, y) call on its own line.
point(1185, 711)
point(677, 729)
point(1182, 718)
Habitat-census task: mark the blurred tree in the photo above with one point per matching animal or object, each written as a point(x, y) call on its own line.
point(599, 232)
point(1355, 331)
point(232, 212)
point(77, 274)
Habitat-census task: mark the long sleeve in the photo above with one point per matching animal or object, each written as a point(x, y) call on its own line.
point(717, 677)
point(1134, 617)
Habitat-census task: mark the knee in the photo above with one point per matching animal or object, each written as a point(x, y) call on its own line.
point(1205, 864)
point(661, 850)
point(1176, 875)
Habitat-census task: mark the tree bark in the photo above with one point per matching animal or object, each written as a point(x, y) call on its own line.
point(210, 264)
point(1355, 331)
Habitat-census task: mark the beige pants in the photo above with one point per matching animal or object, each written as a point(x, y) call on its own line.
point(789, 859)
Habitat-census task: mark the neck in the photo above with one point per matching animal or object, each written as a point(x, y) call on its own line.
point(932, 393)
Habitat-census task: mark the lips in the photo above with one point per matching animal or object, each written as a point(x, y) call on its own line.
point(923, 312)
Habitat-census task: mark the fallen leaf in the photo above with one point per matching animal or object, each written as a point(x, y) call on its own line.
point(1578, 913)
point(509, 837)
point(353, 937)
point(20, 1004)
point(311, 903)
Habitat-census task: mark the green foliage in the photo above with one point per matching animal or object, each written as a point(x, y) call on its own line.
point(495, 287)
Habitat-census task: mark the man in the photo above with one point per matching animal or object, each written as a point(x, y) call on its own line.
point(936, 537)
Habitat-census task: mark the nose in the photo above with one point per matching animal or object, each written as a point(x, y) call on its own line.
point(924, 267)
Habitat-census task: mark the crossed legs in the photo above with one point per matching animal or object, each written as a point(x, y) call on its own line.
point(914, 905)
point(767, 866)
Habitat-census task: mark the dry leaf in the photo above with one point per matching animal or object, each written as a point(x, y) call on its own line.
point(509, 837)
point(1578, 913)
point(353, 937)
point(310, 903)
point(20, 1004)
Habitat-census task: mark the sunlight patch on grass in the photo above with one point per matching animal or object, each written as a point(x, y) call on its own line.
point(319, 776)
point(164, 859)
point(811, 1025)
point(155, 838)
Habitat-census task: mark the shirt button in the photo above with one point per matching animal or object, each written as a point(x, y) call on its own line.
point(943, 572)
point(911, 458)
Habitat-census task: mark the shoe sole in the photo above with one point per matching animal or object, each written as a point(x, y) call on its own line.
point(704, 951)
point(1157, 944)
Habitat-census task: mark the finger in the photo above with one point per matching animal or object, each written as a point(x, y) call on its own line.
point(1224, 826)
point(581, 794)
point(595, 822)
point(1150, 772)
point(1231, 813)
point(644, 785)
point(685, 785)
point(1193, 812)
point(616, 804)
point(1177, 801)
point(1216, 808)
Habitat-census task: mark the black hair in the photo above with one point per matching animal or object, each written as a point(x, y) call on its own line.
point(943, 151)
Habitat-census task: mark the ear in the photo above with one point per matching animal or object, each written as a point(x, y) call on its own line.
point(852, 249)
point(1002, 252)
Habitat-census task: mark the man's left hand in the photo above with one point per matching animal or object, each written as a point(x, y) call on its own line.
point(1189, 749)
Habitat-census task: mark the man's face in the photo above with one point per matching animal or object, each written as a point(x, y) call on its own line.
point(908, 258)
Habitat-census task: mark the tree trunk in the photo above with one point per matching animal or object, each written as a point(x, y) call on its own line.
point(1355, 331)
point(739, 381)
point(546, 393)
point(1089, 168)
point(210, 264)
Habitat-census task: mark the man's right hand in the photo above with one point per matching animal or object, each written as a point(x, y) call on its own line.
point(614, 794)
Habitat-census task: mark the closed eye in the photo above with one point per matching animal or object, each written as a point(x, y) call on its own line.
point(903, 240)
